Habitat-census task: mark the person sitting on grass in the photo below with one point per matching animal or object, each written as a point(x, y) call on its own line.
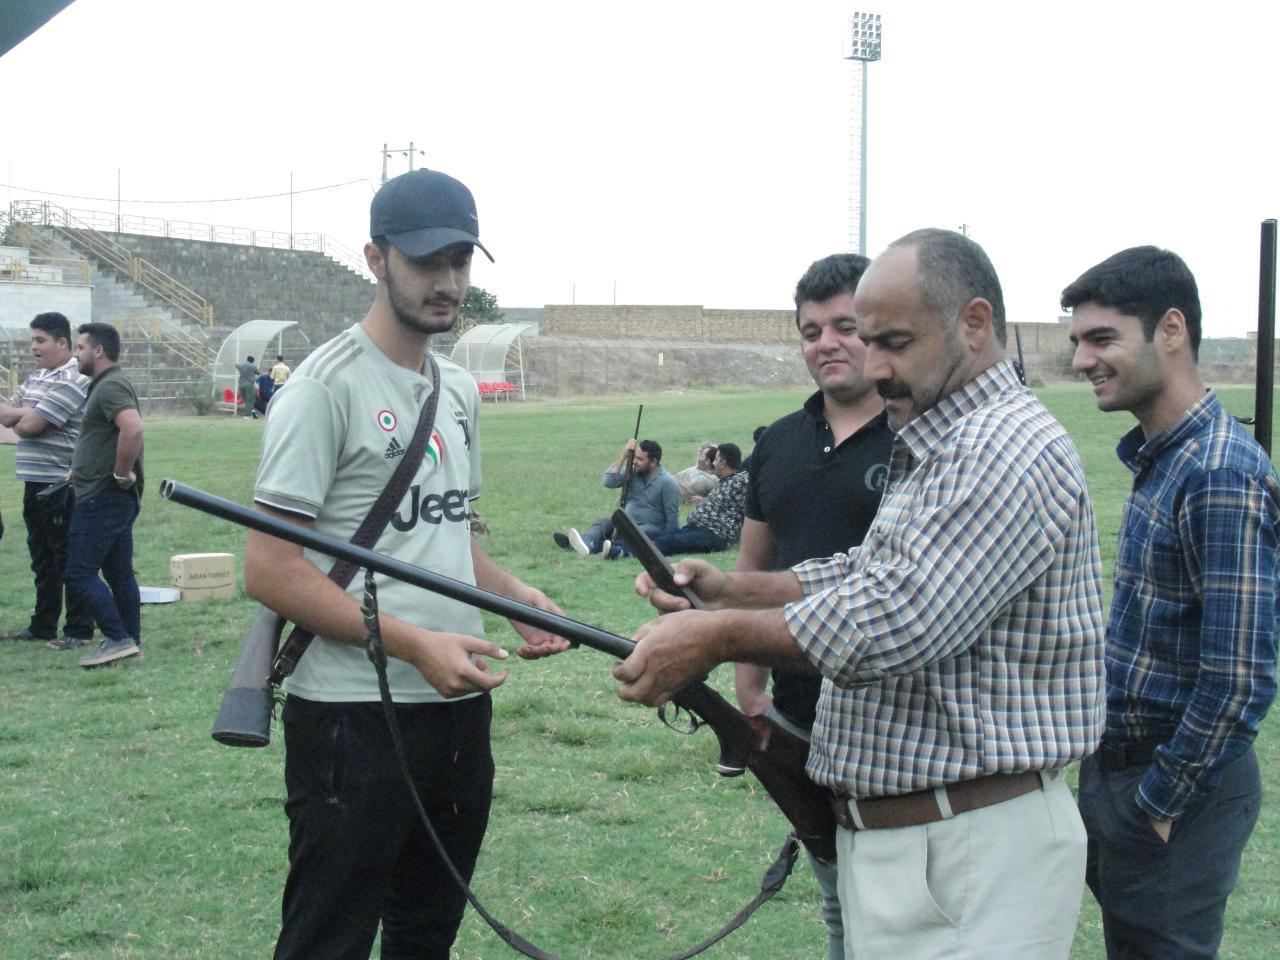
point(700, 479)
point(653, 500)
point(716, 521)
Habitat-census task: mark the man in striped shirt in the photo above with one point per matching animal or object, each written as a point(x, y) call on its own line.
point(961, 643)
point(45, 413)
point(1172, 795)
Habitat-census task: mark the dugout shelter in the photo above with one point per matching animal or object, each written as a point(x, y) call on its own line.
point(261, 339)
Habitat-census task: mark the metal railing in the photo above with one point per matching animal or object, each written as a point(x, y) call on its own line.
point(179, 296)
point(64, 266)
point(221, 233)
point(160, 330)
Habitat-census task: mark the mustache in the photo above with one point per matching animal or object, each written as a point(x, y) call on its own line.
point(893, 389)
point(444, 302)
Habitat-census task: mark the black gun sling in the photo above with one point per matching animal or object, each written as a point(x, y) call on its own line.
point(343, 572)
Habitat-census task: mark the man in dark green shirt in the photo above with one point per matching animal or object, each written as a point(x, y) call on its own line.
point(106, 471)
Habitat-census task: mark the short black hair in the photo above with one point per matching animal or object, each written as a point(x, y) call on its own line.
point(54, 324)
point(830, 277)
point(730, 454)
point(1143, 282)
point(652, 449)
point(102, 335)
point(953, 271)
point(279, 358)
point(249, 359)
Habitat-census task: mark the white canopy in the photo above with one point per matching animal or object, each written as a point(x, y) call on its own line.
point(252, 339)
point(492, 353)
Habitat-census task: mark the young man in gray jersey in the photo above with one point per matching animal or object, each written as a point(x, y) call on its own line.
point(46, 413)
point(358, 856)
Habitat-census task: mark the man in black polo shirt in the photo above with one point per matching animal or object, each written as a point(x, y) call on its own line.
point(814, 487)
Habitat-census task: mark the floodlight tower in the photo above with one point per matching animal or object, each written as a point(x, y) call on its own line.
point(865, 49)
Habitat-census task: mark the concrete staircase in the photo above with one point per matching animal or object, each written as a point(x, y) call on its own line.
point(258, 283)
point(166, 352)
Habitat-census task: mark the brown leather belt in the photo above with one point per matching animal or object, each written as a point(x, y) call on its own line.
point(914, 809)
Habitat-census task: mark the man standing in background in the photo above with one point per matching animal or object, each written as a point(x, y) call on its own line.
point(248, 374)
point(1172, 794)
point(45, 413)
point(813, 490)
point(280, 372)
point(107, 474)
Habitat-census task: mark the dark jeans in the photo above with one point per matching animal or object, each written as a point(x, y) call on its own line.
point(101, 538)
point(48, 520)
point(685, 540)
point(1165, 900)
point(358, 853)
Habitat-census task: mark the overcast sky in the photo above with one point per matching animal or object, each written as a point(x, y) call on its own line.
point(678, 152)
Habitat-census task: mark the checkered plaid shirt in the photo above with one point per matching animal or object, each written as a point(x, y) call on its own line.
point(722, 510)
point(964, 637)
point(1191, 646)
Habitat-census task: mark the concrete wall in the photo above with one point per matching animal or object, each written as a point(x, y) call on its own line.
point(1045, 346)
point(257, 283)
point(21, 301)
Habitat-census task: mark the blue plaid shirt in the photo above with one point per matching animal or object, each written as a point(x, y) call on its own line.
point(1191, 646)
point(964, 636)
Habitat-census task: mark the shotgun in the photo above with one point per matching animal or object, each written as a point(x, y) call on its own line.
point(774, 755)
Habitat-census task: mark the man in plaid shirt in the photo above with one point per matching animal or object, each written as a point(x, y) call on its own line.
point(961, 642)
point(1172, 795)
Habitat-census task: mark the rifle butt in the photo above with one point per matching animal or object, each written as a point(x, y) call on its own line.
point(778, 760)
point(244, 716)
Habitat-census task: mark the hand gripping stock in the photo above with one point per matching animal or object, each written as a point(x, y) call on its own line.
point(776, 756)
point(754, 743)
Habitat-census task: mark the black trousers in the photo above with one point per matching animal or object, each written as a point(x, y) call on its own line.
point(48, 519)
point(358, 855)
point(1165, 901)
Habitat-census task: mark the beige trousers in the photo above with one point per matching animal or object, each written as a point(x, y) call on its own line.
point(1001, 882)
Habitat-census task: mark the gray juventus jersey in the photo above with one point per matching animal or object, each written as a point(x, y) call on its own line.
point(335, 433)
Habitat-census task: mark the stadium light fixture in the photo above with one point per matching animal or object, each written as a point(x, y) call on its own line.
point(864, 49)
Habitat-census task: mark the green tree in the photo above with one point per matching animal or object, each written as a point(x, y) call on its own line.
point(481, 306)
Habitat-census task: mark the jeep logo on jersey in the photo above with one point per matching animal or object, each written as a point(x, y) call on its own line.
point(433, 508)
point(387, 420)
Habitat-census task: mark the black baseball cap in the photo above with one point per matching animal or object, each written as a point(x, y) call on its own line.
point(423, 211)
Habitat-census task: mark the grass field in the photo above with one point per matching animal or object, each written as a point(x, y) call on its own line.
point(125, 832)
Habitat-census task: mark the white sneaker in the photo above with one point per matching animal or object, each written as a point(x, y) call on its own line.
point(579, 545)
point(605, 547)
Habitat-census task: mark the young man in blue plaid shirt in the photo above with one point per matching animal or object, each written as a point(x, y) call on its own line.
point(1173, 793)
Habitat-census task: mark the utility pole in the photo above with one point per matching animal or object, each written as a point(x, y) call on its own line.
point(409, 152)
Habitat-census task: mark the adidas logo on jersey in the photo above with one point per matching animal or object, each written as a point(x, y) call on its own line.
point(394, 449)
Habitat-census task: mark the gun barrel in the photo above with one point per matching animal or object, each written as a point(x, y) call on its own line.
point(566, 627)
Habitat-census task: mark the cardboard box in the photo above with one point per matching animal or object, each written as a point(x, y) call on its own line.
point(190, 594)
point(203, 576)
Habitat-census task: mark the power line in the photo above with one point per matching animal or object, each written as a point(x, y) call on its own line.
point(264, 196)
